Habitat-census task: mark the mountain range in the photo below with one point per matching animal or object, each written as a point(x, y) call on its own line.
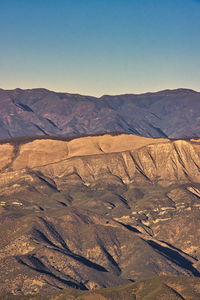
point(99, 197)
point(168, 113)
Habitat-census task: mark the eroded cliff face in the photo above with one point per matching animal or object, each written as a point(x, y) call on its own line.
point(126, 158)
point(97, 211)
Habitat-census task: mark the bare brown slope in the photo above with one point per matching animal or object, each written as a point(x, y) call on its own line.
point(97, 212)
point(126, 157)
point(42, 152)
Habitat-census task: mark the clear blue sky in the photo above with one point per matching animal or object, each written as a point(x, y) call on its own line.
point(100, 46)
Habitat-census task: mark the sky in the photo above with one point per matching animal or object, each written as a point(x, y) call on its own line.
point(97, 47)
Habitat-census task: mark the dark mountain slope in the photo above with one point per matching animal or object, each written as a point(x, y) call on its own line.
point(169, 113)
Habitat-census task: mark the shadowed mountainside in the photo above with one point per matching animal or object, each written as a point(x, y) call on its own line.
point(97, 212)
point(160, 288)
point(169, 113)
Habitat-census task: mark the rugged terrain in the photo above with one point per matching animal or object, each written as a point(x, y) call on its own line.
point(159, 288)
point(169, 113)
point(97, 212)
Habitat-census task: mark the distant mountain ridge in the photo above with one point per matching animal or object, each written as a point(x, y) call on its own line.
point(168, 113)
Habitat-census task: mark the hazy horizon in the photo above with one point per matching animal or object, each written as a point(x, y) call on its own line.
point(89, 95)
point(100, 47)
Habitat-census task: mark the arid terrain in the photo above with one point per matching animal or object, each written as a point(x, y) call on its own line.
point(168, 113)
point(99, 150)
point(100, 212)
point(161, 288)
